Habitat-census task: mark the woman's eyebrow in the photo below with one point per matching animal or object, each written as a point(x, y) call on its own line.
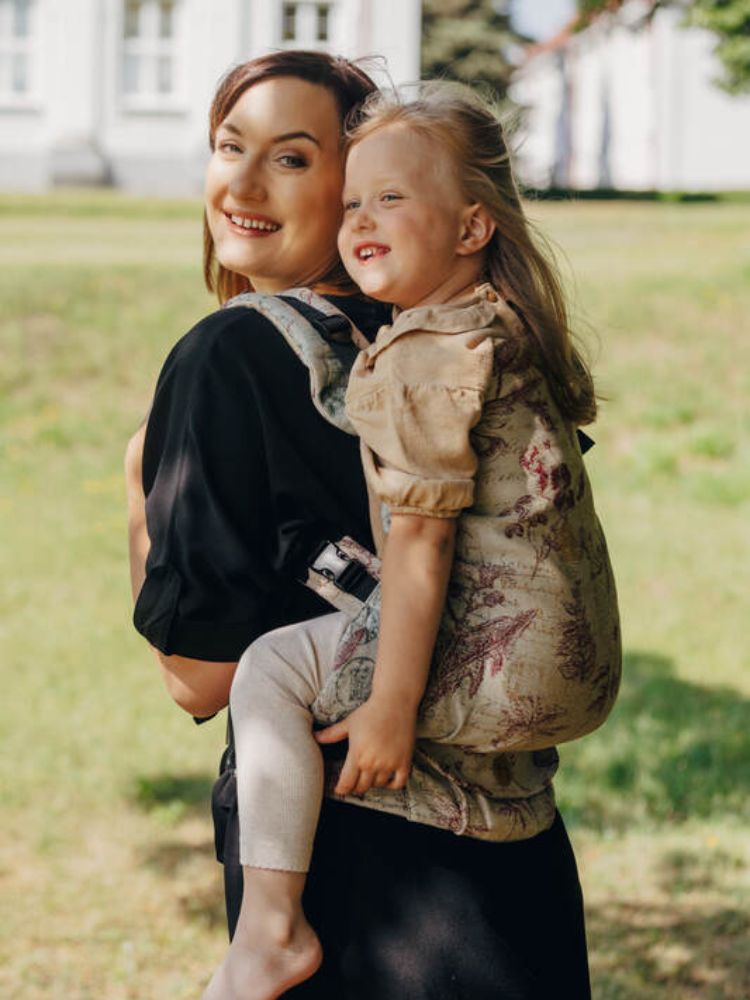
point(286, 136)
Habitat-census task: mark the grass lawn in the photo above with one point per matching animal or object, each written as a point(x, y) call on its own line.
point(109, 887)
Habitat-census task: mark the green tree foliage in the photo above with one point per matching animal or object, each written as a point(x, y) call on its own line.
point(729, 20)
point(468, 40)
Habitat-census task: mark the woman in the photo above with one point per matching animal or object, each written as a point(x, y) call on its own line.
point(243, 478)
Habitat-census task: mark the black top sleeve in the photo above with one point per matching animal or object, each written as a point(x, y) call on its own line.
point(242, 477)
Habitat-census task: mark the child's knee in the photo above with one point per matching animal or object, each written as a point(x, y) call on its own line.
point(255, 671)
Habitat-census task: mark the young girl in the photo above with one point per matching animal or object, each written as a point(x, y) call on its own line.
point(498, 629)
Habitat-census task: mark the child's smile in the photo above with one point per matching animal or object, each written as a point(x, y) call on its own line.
point(368, 251)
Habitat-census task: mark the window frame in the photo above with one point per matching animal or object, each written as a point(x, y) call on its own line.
point(324, 9)
point(26, 46)
point(289, 12)
point(307, 18)
point(148, 48)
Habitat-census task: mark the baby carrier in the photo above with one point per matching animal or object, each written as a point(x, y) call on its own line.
point(451, 786)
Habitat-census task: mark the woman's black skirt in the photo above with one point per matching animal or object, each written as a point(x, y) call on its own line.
point(409, 912)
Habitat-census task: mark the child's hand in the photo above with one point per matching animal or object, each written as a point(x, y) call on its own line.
point(381, 745)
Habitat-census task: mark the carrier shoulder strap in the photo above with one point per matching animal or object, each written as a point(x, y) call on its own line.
point(323, 338)
point(326, 342)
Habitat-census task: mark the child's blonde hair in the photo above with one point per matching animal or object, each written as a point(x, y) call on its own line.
point(466, 126)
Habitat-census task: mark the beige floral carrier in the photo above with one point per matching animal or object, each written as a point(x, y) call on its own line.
point(528, 653)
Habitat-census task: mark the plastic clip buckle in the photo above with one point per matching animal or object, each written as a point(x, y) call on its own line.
point(331, 562)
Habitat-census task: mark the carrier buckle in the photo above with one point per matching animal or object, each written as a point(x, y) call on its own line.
point(331, 562)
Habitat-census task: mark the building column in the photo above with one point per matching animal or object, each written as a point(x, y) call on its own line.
point(77, 52)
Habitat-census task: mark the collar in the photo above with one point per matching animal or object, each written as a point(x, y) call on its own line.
point(485, 308)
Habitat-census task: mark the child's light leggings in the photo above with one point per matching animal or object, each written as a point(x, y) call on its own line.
point(279, 763)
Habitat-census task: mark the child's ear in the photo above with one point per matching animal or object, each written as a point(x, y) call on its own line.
point(477, 228)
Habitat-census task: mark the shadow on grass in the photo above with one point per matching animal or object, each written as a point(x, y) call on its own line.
point(684, 871)
point(647, 950)
point(672, 749)
point(194, 877)
point(206, 904)
point(175, 858)
point(174, 796)
point(189, 867)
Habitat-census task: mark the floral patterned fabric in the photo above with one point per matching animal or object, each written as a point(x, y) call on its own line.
point(528, 653)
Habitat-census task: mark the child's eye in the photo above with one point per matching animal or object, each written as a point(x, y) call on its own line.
point(292, 160)
point(350, 204)
point(390, 196)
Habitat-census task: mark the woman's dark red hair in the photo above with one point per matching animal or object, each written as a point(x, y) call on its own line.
point(349, 85)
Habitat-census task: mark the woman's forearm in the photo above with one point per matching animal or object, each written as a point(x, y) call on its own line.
point(200, 687)
point(414, 577)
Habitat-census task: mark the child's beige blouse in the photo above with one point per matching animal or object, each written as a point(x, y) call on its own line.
point(457, 420)
point(414, 397)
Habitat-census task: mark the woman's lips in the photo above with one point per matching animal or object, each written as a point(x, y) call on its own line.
point(251, 225)
point(364, 252)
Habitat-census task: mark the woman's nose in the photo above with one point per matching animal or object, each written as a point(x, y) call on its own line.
point(246, 183)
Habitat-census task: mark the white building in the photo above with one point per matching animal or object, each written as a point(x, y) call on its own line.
point(631, 103)
point(118, 91)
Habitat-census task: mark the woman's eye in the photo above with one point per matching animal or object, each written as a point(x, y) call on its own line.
point(292, 160)
point(229, 147)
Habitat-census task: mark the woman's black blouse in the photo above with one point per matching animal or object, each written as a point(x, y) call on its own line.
point(242, 478)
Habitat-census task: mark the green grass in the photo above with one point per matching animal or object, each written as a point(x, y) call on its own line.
point(106, 855)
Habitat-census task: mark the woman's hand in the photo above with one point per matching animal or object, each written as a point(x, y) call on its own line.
point(381, 737)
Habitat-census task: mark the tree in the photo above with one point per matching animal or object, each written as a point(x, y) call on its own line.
point(468, 40)
point(729, 20)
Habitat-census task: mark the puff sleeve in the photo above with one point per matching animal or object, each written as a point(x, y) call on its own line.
point(414, 400)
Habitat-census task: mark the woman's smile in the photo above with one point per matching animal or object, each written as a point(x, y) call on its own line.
point(251, 224)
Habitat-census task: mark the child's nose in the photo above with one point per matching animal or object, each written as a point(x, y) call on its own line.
point(363, 219)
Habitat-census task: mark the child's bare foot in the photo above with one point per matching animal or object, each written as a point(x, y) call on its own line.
point(272, 951)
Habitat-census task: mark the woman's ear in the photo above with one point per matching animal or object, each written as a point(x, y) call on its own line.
point(477, 228)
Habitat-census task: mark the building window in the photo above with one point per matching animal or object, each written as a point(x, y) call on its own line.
point(307, 24)
point(289, 22)
point(17, 32)
point(149, 53)
point(323, 24)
